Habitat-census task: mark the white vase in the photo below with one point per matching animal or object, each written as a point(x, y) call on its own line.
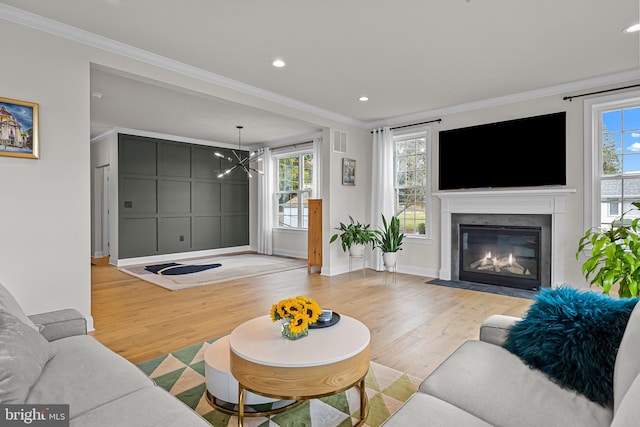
point(389, 259)
point(356, 250)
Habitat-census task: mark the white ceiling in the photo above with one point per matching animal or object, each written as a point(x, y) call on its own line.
point(410, 57)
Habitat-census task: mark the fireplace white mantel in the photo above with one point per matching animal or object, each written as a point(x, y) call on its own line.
point(549, 201)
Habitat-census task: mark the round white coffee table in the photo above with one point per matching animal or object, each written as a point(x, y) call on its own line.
point(222, 387)
point(326, 362)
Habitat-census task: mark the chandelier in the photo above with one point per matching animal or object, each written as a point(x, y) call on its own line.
point(239, 162)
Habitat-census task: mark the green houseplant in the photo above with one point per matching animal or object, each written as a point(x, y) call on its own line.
point(614, 255)
point(353, 234)
point(389, 239)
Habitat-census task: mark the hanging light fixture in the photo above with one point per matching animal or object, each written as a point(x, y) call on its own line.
point(239, 162)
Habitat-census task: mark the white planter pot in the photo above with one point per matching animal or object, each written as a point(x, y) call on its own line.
point(356, 250)
point(389, 259)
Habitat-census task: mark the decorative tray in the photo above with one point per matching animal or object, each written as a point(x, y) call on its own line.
point(335, 318)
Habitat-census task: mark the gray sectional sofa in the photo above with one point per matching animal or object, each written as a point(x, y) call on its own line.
point(482, 384)
point(49, 359)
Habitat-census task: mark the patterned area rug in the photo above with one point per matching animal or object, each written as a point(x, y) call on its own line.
point(182, 374)
point(233, 267)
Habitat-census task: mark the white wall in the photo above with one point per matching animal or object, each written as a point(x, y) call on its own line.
point(45, 218)
point(425, 258)
point(345, 200)
point(45, 204)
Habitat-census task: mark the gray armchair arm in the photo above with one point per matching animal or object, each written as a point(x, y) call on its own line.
point(60, 324)
point(495, 329)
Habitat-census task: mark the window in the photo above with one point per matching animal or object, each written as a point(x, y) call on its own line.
point(620, 151)
point(614, 209)
point(295, 183)
point(412, 183)
point(612, 153)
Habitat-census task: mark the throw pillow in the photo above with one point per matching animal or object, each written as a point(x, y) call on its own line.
point(23, 354)
point(9, 304)
point(573, 337)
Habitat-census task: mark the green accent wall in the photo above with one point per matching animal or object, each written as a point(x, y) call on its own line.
point(171, 200)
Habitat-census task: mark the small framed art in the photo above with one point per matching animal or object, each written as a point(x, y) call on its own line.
point(18, 128)
point(348, 172)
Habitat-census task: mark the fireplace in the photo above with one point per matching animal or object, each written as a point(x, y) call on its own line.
point(526, 237)
point(517, 207)
point(500, 255)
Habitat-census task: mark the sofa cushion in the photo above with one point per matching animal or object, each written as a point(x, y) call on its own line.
point(496, 386)
point(24, 354)
point(91, 373)
point(627, 366)
point(148, 407)
point(495, 329)
point(628, 411)
point(428, 411)
point(9, 304)
point(573, 337)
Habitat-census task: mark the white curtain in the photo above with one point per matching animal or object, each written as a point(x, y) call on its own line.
point(382, 179)
point(317, 168)
point(266, 192)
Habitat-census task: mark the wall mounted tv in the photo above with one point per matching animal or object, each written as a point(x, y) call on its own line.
point(527, 152)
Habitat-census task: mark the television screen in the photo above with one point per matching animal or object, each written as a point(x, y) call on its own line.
point(527, 152)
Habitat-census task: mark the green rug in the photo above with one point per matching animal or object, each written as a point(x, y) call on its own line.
point(182, 374)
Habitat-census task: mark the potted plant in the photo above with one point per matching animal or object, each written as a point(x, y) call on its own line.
point(353, 236)
point(389, 239)
point(614, 255)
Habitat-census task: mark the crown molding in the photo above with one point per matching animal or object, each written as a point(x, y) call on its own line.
point(157, 135)
point(37, 22)
point(561, 89)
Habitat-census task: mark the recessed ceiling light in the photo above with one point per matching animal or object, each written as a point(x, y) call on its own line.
point(632, 28)
point(278, 63)
point(363, 99)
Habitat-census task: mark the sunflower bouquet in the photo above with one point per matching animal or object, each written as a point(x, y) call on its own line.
point(298, 313)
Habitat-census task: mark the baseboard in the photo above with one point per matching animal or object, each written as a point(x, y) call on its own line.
point(414, 271)
point(290, 254)
point(181, 255)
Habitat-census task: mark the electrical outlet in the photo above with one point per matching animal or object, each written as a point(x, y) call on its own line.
point(128, 204)
point(181, 238)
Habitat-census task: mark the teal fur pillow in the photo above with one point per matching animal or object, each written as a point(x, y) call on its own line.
point(573, 337)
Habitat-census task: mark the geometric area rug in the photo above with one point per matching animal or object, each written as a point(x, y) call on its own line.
point(182, 374)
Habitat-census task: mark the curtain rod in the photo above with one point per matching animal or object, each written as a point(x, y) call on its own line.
point(295, 144)
point(570, 98)
point(415, 124)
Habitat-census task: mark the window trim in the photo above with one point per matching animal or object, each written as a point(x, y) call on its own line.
point(297, 152)
point(403, 135)
point(593, 108)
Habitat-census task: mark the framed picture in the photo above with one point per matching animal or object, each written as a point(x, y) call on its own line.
point(348, 172)
point(18, 128)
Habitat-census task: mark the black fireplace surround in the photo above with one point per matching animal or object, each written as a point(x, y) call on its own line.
point(500, 255)
point(503, 250)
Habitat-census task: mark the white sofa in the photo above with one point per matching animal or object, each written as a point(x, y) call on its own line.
point(482, 384)
point(49, 359)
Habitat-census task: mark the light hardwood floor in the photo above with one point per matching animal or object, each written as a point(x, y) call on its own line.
point(414, 326)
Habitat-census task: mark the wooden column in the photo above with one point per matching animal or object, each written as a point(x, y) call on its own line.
point(314, 254)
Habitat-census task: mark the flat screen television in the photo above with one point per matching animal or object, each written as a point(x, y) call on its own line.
point(527, 152)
